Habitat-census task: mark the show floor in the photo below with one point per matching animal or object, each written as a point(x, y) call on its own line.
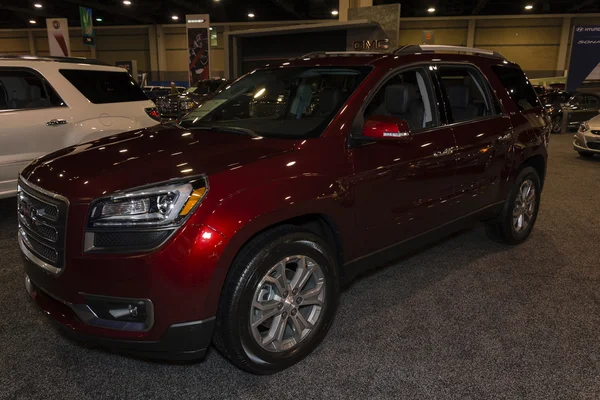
point(467, 318)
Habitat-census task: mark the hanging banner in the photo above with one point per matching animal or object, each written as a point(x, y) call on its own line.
point(585, 57)
point(87, 27)
point(198, 39)
point(58, 37)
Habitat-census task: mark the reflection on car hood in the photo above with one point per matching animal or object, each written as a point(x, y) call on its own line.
point(131, 159)
point(595, 122)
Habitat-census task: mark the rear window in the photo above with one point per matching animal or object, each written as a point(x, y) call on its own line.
point(518, 86)
point(102, 87)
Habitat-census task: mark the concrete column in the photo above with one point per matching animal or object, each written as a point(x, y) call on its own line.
point(153, 49)
point(471, 33)
point(32, 48)
point(161, 50)
point(561, 62)
point(93, 52)
point(346, 4)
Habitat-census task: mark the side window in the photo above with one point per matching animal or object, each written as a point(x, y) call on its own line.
point(102, 87)
point(577, 101)
point(518, 87)
point(468, 93)
point(408, 96)
point(22, 90)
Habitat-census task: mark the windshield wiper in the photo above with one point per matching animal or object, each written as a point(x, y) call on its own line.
point(230, 129)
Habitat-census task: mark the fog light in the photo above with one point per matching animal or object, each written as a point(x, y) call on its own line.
point(116, 313)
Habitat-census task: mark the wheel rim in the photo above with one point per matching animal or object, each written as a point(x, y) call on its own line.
point(524, 206)
point(557, 125)
point(288, 303)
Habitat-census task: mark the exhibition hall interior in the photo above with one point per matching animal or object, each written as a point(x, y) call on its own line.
point(307, 199)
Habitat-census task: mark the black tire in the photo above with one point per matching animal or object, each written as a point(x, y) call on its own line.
point(586, 155)
point(557, 124)
point(502, 229)
point(233, 335)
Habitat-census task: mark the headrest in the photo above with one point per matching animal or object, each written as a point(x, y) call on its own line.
point(328, 100)
point(459, 96)
point(399, 97)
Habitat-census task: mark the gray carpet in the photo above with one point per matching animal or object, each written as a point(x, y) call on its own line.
point(467, 318)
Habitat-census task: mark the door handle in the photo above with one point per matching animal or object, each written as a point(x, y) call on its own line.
point(53, 122)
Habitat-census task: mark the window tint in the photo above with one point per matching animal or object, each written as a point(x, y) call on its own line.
point(101, 87)
point(518, 87)
point(468, 93)
point(407, 96)
point(24, 90)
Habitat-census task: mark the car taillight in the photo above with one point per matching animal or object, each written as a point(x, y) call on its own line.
point(153, 113)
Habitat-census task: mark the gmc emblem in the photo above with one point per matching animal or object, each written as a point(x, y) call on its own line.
point(380, 44)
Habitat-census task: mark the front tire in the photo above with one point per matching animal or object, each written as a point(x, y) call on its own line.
point(557, 124)
point(278, 302)
point(518, 216)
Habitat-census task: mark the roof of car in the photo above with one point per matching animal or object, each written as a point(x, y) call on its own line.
point(71, 60)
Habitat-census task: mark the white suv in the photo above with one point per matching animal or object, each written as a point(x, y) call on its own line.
point(50, 103)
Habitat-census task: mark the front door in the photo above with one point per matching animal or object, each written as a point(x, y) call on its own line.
point(34, 122)
point(402, 188)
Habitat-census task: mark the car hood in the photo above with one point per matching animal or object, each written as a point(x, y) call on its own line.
point(595, 122)
point(90, 170)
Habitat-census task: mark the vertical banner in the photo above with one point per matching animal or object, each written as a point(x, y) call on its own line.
point(87, 27)
point(198, 39)
point(58, 37)
point(585, 56)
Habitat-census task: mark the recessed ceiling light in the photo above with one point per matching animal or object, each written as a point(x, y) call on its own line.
point(174, 17)
point(334, 12)
point(37, 5)
point(99, 19)
point(32, 21)
point(127, 2)
point(528, 7)
point(431, 9)
point(250, 15)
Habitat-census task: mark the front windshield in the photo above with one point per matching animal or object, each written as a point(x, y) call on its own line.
point(284, 102)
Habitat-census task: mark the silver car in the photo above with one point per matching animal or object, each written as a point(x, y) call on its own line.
point(587, 138)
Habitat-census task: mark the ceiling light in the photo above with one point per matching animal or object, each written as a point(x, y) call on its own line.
point(250, 15)
point(334, 12)
point(431, 9)
point(32, 21)
point(174, 17)
point(99, 19)
point(37, 5)
point(528, 7)
point(127, 2)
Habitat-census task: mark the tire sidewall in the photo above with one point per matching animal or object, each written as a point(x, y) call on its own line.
point(264, 260)
point(517, 237)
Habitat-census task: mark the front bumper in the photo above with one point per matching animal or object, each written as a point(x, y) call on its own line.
point(181, 341)
point(586, 142)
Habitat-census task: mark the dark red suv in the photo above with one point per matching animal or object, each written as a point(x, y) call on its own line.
point(238, 224)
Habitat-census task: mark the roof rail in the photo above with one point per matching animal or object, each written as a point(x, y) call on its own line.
point(426, 48)
point(341, 53)
point(73, 60)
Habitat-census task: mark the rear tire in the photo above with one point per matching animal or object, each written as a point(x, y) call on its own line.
point(586, 155)
point(518, 216)
point(557, 124)
point(278, 302)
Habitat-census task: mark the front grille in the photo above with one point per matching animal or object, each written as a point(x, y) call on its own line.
point(593, 145)
point(42, 220)
point(168, 107)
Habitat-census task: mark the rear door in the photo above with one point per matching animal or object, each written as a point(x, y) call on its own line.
point(34, 121)
point(402, 188)
point(483, 136)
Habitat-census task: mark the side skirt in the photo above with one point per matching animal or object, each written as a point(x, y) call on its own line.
point(396, 251)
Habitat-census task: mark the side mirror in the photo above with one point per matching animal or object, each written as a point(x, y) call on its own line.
point(386, 128)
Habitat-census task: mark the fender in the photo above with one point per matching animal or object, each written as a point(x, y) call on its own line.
point(238, 220)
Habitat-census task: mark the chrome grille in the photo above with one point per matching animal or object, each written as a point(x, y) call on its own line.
point(42, 220)
point(168, 107)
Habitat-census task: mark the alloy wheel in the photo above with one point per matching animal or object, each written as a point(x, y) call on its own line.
point(287, 303)
point(524, 208)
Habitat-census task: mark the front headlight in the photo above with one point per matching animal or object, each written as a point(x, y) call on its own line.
point(142, 219)
point(185, 105)
point(585, 126)
point(157, 206)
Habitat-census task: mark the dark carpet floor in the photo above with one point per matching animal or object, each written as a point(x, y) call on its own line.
point(467, 318)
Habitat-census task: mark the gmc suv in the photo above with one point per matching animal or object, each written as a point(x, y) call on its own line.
point(238, 224)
